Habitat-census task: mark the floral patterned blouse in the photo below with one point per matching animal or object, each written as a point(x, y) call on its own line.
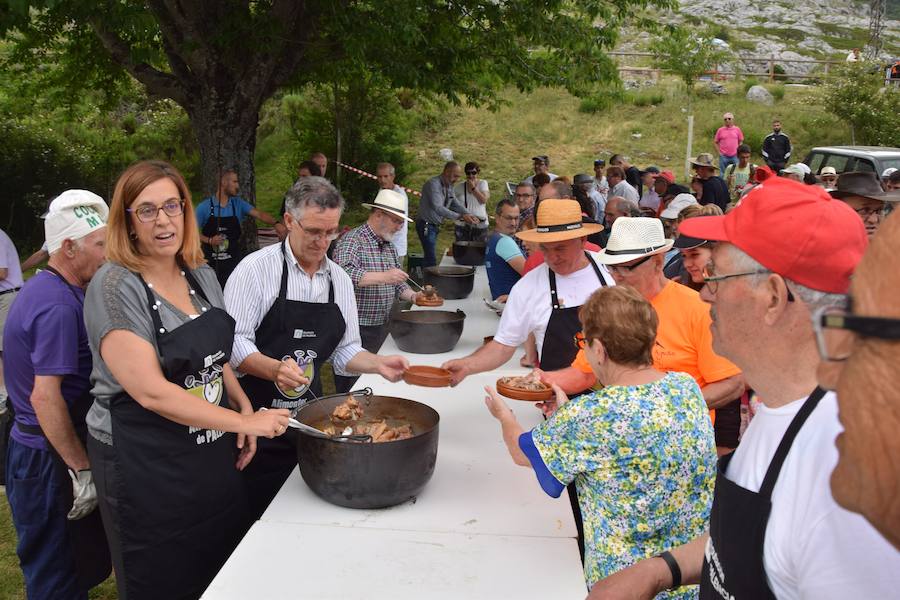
point(643, 459)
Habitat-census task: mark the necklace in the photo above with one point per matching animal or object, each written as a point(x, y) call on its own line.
point(191, 292)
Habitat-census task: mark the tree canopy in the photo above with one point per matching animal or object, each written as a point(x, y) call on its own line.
point(221, 60)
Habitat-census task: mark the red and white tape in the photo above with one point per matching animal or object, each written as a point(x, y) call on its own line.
point(370, 176)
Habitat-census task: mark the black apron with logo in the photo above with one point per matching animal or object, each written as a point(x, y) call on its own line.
point(307, 332)
point(90, 551)
point(733, 566)
point(558, 351)
point(226, 256)
point(179, 497)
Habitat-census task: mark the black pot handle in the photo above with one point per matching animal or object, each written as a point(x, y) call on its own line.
point(460, 313)
point(363, 393)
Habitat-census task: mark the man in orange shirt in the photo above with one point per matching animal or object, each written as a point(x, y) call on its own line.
point(634, 256)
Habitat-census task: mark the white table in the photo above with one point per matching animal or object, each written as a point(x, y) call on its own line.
point(481, 528)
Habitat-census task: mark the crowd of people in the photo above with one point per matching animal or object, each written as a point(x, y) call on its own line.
point(701, 339)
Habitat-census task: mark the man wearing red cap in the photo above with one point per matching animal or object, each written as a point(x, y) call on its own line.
point(775, 531)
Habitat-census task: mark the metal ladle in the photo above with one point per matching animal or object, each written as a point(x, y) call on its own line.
point(292, 422)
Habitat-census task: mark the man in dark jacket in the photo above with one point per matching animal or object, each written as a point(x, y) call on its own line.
point(715, 190)
point(776, 148)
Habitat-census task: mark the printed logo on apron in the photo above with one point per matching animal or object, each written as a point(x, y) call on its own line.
point(304, 360)
point(208, 384)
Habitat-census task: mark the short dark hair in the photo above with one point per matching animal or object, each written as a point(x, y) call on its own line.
point(615, 171)
point(504, 202)
point(472, 166)
point(310, 166)
point(616, 158)
point(540, 179)
point(450, 164)
point(744, 148)
point(894, 177)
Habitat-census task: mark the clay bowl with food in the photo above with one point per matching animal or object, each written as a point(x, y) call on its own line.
point(425, 376)
point(516, 388)
point(392, 468)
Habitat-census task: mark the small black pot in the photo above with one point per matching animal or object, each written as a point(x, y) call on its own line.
point(369, 475)
point(452, 283)
point(469, 253)
point(427, 331)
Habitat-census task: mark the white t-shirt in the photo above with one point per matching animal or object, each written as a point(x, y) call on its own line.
point(814, 549)
point(552, 176)
point(467, 199)
point(528, 307)
point(399, 239)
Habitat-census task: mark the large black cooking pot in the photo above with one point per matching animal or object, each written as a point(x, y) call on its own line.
point(427, 331)
point(469, 253)
point(365, 474)
point(452, 283)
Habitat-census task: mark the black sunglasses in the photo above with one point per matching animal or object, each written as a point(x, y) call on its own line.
point(471, 172)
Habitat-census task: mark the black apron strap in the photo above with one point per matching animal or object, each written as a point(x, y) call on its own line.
point(282, 292)
point(787, 441)
point(596, 269)
point(154, 308)
point(195, 285)
point(554, 301)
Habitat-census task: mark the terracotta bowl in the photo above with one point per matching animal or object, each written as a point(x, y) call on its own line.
point(526, 395)
point(427, 376)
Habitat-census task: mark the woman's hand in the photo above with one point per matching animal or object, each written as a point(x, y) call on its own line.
point(548, 407)
point(266, 423)
point(498, 407)
point(246, 444)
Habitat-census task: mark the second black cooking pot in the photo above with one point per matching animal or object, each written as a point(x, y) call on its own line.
point(469, 253)
point(427, 331)
point(452, 283)
point(366, 474)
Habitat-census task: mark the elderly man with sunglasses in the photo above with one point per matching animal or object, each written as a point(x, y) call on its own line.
point(775, 529)
point(635, 255)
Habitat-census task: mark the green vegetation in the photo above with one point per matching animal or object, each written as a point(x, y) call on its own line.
point(783, 34)
point(859, 98)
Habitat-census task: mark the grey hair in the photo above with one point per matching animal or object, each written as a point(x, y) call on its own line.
point(814, 299)
point(312, 191)
point(527, 184)
point(627, 206)
point(386, 165)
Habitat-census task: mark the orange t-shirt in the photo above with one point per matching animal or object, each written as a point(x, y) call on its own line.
point(683, 339)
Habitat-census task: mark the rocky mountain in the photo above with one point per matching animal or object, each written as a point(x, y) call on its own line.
point(786, 30)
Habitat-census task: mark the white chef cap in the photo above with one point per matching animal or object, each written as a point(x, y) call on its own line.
point(73, 215)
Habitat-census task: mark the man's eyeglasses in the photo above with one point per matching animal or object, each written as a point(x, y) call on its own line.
point(318, 235)
point(624, 269)
point(837, 328)
point(147, 213)
point(867, 211)
point(524, 195)
point(712, 281)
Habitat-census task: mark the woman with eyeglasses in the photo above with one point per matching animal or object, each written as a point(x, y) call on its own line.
point(170, 428)
point(640, 451)
point(473, 193)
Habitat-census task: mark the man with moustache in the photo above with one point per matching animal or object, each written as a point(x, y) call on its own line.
point(775, 530)
point(859, 343)
point(385, 175)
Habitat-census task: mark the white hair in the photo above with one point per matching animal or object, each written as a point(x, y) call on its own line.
point(814, 299)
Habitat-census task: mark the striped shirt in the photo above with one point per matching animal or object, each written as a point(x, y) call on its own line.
point(253, 287)
point(359, 252)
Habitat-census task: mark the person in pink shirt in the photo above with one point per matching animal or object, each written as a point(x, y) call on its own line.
point(728, 138)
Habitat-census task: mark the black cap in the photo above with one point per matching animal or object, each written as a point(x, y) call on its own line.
point(654, 170)
point(582, 178)
point(542, 158)
point(599, 162)
point(683, 242)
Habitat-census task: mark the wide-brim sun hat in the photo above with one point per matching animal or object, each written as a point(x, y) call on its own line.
point(863, 184)
point(390, 201)
point(704, 160)
point(686, 242)
point(632, 238)
point(558, 220)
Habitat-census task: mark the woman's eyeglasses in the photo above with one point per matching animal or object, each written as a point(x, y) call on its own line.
point(147, 213)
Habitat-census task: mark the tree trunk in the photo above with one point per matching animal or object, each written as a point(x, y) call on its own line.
point(227, 144)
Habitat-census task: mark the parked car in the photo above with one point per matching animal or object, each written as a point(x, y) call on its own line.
point(874, 159)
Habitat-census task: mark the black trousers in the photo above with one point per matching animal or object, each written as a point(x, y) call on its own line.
point(373, 337)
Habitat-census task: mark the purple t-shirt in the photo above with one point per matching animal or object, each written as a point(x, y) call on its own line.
point(45, 335)
point(728, 139)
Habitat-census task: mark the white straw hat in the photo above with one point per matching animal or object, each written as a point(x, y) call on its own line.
point(390, 201)
point(678, 202)
point(632, 238)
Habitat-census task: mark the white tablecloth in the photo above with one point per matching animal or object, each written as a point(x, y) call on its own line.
point(481, 528)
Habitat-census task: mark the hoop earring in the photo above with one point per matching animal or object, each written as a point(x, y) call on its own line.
point(132, 236)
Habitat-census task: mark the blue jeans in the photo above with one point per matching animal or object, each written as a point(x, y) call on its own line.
point(428, 236)
point(724, 161)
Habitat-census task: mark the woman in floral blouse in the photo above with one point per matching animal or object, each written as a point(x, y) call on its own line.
point(640, 451)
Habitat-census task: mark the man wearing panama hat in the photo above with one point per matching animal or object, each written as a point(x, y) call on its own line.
point(715, 190)
point(370, 259)
point(635, 255)
point(545, 301)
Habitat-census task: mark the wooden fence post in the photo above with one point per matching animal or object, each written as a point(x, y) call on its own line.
point(771, 69)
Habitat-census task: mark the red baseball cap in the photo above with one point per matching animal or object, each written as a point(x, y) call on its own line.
point(796, 230)
point(668, 176)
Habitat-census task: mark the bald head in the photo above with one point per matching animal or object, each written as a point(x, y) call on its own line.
point(617, 206)
point(557, 190)
point(867, 477)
